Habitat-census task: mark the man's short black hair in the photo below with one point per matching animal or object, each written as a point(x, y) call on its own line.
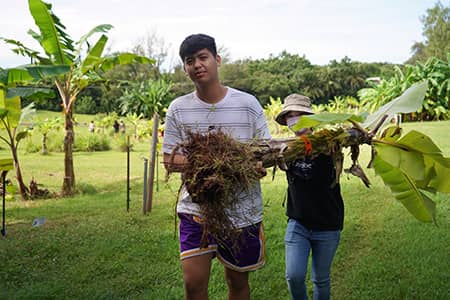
point(197, 42)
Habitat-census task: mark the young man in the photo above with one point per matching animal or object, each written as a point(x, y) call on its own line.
point(315, 211)
point(213, 106)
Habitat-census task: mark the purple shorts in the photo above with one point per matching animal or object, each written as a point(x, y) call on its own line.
point(248, 257)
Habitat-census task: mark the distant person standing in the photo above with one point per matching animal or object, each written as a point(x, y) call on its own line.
point(122, 127)
point(116, 126)
point(91, 127)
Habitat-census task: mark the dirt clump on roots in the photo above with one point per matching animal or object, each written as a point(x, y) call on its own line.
point(218, 169)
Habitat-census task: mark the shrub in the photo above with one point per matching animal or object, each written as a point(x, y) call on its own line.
point(92, 142)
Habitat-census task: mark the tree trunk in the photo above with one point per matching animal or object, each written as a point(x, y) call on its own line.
point(22, 187)
point(44, 144)
point(69, 174)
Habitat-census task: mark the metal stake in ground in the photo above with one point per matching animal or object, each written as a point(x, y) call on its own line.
point(4, 203)
point(6, 164)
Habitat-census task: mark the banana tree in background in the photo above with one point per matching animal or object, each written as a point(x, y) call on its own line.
point(44, 127)
point(12, 88)
point(85, 67)
point(10, 117)
point(437, 97)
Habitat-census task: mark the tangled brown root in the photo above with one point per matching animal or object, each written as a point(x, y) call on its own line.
point(218, 168)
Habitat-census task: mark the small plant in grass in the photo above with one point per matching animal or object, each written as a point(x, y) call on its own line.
point(44, 127)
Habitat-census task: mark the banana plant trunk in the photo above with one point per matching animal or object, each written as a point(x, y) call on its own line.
point(22, 187)
point(69, 174)
point(44, 144)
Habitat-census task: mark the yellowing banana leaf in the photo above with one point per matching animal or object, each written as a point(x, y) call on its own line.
point(405, 191)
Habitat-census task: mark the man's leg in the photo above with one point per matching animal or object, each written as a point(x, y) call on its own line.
point(195, 261)
point(238, 287)
point(248, 256)
point(196, 271)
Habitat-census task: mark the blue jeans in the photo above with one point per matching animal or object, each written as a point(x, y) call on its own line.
point(299, 243)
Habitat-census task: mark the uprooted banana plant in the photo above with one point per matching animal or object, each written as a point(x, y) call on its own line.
point(411, 165)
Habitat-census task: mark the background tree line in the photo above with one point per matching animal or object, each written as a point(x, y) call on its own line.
point(277, 75)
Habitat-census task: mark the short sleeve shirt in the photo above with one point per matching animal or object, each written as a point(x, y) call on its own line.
point(238, 114)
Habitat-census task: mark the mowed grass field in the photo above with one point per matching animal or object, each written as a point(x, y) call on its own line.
point(91, 248)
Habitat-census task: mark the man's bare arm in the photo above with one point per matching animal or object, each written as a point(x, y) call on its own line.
point(177, 164)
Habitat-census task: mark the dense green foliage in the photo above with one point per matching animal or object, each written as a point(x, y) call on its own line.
point(436, 33)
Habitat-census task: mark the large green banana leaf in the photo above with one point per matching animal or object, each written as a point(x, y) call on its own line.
point(437, 167)
point(110, 62)
point(409, 162)
point(94, 55)
point(405, 191)
point(27, 73)
point(30, 93)
point(99, 28)
point(410, 101)
point(310, 121)
point(11, 110)
point(56, 43)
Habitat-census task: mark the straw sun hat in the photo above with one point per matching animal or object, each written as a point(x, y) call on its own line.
point(294, 102)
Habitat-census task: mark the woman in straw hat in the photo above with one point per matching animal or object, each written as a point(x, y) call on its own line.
point(315, 211)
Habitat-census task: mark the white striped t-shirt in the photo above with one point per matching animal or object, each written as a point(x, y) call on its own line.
point(238, 114)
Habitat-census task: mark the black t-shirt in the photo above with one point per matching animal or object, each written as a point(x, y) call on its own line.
point(312, 200)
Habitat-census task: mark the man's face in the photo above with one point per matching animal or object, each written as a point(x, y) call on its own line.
point(202, 66)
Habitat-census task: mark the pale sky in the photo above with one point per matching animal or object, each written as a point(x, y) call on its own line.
point(322, 30)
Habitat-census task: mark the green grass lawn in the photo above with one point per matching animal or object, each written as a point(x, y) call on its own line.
point(92, 248)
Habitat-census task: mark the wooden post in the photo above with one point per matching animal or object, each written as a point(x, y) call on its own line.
point(152, 162)
point(128, 173)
